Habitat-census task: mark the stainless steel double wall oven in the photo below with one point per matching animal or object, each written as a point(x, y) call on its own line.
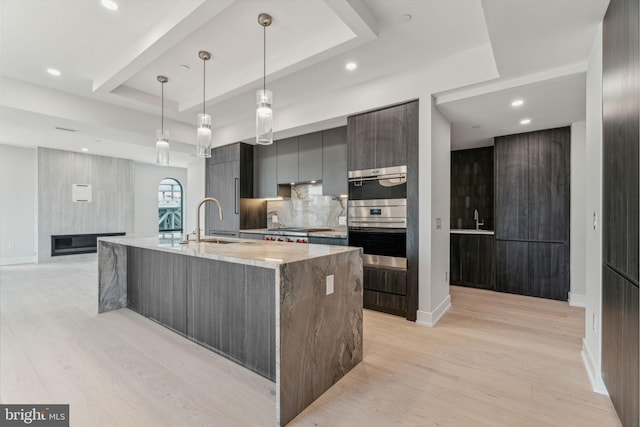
point(377, 215)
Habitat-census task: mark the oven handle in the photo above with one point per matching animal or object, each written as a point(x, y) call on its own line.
point(378, 178)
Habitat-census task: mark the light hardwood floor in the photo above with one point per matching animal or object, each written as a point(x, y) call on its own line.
point(494, 360)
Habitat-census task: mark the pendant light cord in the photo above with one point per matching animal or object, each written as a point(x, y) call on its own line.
point(162, 116)
point(204, 85)
point(264, 59)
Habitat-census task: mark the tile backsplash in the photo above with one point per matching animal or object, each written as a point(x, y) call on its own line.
point(306, 208)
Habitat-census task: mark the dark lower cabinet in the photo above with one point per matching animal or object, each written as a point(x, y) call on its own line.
point(385, 290)
point(156, 287)
point(472, 261)
point(336, 241)
point(512, 267)
point(548, 271)
point(536, 269)
point(620, 334)
point(228, 308)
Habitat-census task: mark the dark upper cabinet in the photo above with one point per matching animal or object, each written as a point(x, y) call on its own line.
point(391, 146)
point(287, 160)
point(334, 162)
point(548, 185)
point(266, 172)
point(310, 161)
point(511, 183)
point(379, 139)
point(361, 132)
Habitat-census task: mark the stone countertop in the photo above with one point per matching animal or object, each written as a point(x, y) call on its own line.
point(336, 233)
point(241, 251)
point(472, 231)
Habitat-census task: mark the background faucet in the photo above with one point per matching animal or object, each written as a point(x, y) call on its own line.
point(476, 217)
point(202, 202)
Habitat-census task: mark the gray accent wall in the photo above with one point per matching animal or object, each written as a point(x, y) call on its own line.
point(112, 208)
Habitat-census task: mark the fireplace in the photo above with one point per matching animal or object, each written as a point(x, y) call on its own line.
point(73, 244)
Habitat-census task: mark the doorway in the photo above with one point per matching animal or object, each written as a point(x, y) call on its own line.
point(170, 224)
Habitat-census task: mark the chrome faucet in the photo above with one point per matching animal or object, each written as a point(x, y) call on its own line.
point(202, 202)
point(476, 217)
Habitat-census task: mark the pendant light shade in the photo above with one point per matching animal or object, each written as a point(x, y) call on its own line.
point(264, 98)
point(162, 143)
point(203, 137)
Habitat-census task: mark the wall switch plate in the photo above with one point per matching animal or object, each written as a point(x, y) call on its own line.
point(330, 284)
point(342, 220)
point(438, 223)
point(595, 324)
point(274, 219)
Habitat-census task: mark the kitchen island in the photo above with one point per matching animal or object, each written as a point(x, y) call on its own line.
point(291, 313)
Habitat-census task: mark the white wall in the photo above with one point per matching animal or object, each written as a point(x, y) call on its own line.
point(147, 178)
point(579, 215)
point(195, 193)
point(592, 348)
point(18, 200)
point(434, 298)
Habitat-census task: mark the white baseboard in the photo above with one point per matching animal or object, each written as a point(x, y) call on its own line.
point(577, 300)
point(19, 260)
point(597, 385)
point(429, 319)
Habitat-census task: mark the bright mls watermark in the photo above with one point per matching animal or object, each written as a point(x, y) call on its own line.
point(34, 415)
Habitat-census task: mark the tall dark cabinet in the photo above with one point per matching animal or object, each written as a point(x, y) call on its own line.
point(229, 179)
point(532, 190)
point(621, 217)
point(380, 139)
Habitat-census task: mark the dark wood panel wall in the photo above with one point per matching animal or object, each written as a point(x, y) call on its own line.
point(620, 217)
point(472, 187)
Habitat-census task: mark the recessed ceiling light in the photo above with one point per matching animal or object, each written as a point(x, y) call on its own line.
point(53, 72)
point(405, 17)
point(525, 121)
point(351, 66)
point(517, 103)
point(110, 4)
point(85, 149)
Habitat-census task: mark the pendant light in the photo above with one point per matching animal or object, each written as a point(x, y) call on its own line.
point(264, 114)
point(203, 137)
point(162, 144)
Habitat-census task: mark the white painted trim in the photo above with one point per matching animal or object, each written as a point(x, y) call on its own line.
point(430, 319)
point(577, 300)
point(597, 385)
point(19, 260)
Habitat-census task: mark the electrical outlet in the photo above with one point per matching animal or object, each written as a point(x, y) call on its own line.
point(342, 220)
point(595, 324)
point(446, 276)
point(330, 284)
point(12, 245)
point(274, 219)
point(438, 223)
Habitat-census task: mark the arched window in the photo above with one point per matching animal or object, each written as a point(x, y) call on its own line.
point(169, 208)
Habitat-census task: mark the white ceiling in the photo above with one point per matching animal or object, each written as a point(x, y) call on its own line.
point(111, 59)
